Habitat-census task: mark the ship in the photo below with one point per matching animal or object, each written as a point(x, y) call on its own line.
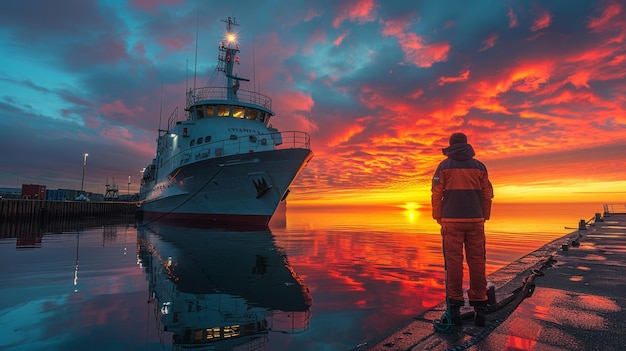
point(220, 290)
point(224, 164)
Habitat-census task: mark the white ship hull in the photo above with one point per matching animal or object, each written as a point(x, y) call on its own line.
point(239, 190)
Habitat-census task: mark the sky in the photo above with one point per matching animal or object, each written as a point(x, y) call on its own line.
point(539, 88)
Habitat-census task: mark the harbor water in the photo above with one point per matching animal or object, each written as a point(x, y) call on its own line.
point(318, 279)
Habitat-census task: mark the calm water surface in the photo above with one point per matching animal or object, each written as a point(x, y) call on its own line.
point(317, 280)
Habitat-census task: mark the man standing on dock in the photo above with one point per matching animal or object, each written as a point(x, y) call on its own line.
point(461, 202)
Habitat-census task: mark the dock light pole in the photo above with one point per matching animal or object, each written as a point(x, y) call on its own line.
point(128, 188)
point(82, 181)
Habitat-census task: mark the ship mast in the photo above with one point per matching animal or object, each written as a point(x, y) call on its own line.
point(227, 59)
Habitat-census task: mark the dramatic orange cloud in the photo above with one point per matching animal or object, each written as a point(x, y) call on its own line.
point(460, 78)
point(362, 11)
point(542, 22)
point(414, 47)
point(489, 42)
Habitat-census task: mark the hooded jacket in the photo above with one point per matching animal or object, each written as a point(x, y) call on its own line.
point(461, 190)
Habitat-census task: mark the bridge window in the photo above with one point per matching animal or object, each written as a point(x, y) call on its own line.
point(238, 111)
point(264, 117)
point(199, 112)
point(223, 110)
point(210, 110)
point(252, 113)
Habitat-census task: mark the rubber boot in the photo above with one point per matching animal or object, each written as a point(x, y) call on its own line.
point(480, 310)
point(455, 312)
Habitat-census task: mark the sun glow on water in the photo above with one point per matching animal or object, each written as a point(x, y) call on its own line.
point(411, 206)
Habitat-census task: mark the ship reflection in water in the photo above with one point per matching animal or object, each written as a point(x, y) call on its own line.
point(222, 290)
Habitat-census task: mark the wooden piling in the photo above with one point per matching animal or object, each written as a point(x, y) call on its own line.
point(37, 210)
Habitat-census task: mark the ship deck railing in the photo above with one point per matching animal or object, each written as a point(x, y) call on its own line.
point(221, 93)
point(239, 145)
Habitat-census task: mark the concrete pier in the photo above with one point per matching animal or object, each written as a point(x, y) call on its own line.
point(567, 295)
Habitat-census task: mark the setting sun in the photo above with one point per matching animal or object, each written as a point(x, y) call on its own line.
point(411, 206)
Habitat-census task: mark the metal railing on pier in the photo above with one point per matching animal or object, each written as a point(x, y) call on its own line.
point(614, 209)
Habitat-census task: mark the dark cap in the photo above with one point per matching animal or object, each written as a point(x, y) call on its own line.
point(458, 138)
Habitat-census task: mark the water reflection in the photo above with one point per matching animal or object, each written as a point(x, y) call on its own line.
point(78, 285)
point(221, 289)
point(29, 233)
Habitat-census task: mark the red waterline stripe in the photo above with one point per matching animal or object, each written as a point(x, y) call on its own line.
point(196, 220)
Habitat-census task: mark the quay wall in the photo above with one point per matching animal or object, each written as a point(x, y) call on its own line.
point(38, 210)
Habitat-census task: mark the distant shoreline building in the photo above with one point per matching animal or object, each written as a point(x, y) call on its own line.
point(33, 191)
point(10, 193)
point(40, 192)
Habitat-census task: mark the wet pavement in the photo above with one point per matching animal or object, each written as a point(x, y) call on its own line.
point(567, 295)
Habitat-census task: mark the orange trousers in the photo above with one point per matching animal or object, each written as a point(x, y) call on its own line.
point(456, 236)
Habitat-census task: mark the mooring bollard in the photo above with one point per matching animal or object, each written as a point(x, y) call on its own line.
point(598, 217)
point(582, 225)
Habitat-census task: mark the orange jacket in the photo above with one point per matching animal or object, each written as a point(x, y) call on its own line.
point(461, 190)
